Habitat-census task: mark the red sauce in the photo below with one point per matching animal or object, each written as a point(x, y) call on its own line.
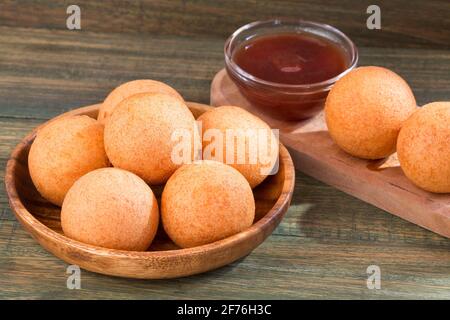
point(291, 58)
point(288, 59)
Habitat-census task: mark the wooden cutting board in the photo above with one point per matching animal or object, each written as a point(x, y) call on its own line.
point(380, 183)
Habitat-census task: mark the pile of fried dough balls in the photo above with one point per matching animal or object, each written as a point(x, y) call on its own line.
point(371, 112)
point(101, 171)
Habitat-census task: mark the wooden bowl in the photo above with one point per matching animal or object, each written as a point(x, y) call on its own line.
point(164, 259)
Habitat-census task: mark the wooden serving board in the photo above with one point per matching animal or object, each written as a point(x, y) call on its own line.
point(380, 183)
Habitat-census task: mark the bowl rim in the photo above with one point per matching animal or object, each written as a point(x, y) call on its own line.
point(230, 64)
point(33, 225)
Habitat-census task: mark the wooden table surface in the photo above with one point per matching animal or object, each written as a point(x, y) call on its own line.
point(327, 240)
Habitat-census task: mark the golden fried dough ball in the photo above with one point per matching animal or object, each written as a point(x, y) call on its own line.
point(131, 88)
point(259, 149)
point(204, 202)
point(111, 208)
point(423, 147)
point(365, 110)
point(139, 136)
point(64, 150)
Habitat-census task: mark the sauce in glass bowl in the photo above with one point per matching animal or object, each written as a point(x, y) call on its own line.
point(290, 58)
point(286, 68)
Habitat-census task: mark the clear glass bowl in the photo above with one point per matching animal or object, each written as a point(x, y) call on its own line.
point(286, 101)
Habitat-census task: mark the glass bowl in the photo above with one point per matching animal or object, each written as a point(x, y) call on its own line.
point(286, 101)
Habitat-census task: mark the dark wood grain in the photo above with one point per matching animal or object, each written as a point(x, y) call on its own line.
point(44, 73)
point(326, 241)
point(404, 23)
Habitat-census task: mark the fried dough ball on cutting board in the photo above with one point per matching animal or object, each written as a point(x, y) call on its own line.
point(423, 147)
point(365, 110)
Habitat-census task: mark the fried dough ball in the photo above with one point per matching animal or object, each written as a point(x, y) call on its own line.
point(204, 202)
point(252, 149)
point(63, 151)
point(111, 208)
point(141, 136)
point(423, 147)
point(365, 110)
point(131, 88)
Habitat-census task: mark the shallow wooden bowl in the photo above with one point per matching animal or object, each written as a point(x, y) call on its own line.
point(164, 259)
